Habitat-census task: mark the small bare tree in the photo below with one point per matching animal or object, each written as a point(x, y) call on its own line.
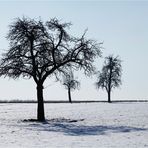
point(70, 84)
point(39, 50)
point(110, 76)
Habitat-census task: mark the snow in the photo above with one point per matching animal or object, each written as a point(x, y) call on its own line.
point(78, 125)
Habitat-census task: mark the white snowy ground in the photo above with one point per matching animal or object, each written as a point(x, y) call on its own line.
point(99, 125)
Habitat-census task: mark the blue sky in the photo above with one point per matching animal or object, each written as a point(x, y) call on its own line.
point(121, 25)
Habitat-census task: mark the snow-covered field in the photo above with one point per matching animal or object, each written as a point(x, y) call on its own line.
point(86, 125)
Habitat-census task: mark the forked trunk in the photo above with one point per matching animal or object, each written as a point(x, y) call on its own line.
point(40, 109)
point(69, 95)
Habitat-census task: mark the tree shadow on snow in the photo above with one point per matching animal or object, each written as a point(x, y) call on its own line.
point(73, 128)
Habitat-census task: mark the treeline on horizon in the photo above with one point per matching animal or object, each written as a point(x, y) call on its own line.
point(66, 101)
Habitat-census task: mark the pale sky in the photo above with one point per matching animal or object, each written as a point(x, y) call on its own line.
point(121, 25)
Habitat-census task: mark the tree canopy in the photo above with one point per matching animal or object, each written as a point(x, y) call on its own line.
point(69, 82)
point(38, 50)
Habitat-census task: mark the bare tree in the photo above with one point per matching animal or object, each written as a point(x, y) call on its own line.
point(39, 50)
point(70, 84)
point(110, 76)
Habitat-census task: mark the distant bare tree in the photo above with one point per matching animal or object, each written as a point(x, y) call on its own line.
point(110, 76)
point(39, 50)
point(70, 84)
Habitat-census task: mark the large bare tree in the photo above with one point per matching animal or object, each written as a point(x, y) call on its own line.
point(39, 50)
point(110, 76)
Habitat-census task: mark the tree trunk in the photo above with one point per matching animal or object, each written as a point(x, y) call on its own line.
point(40, 109)
point(69, 95)
point(109, 96)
